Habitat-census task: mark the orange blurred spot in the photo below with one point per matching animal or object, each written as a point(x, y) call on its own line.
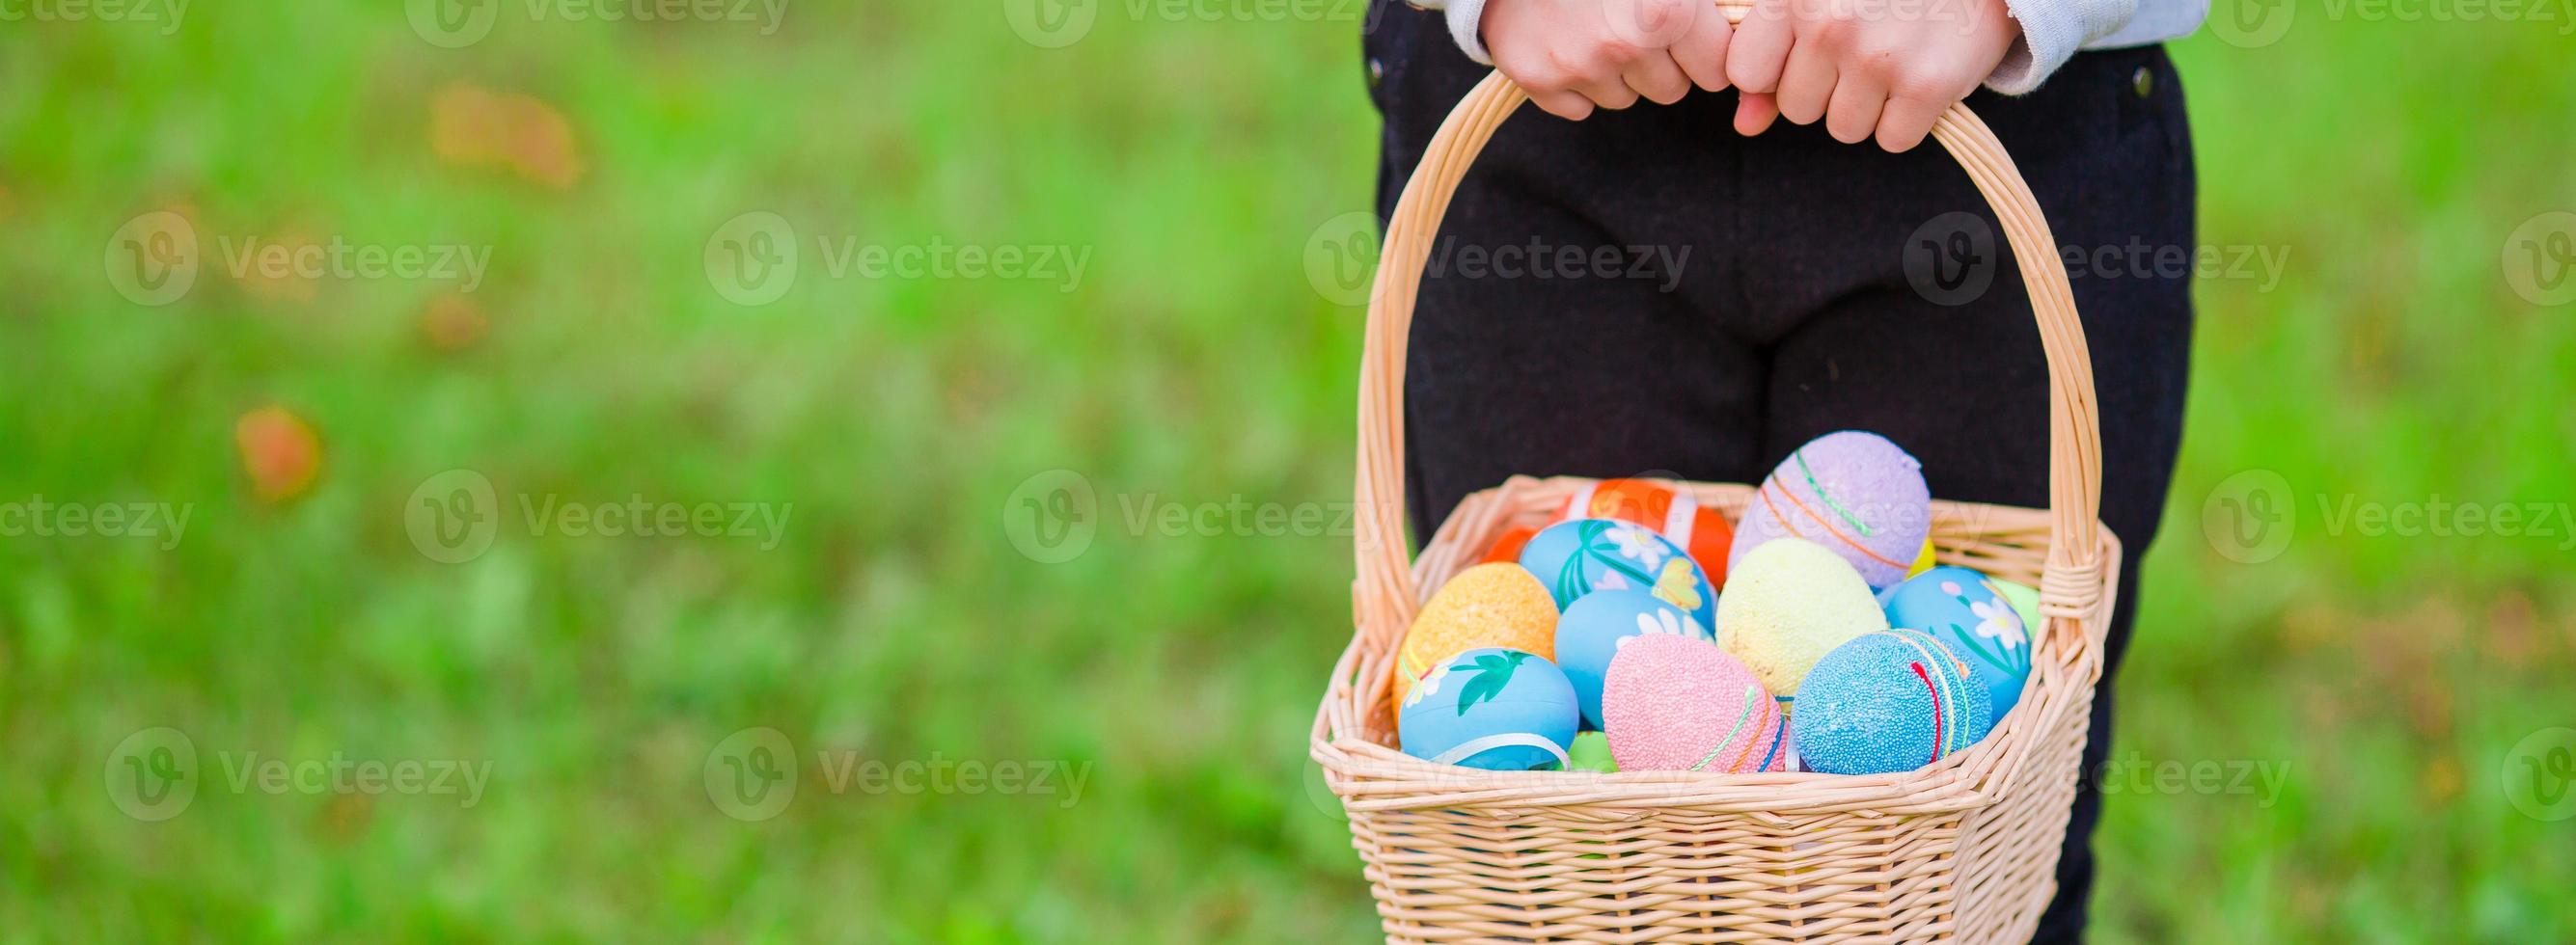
point(471, 126)
point(280, 451)
point(453, 323)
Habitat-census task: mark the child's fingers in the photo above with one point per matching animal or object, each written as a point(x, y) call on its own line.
point(1702, 52)
point(1566, 105)
point(1758, 50)
point(1858, 100)
point(1754, 113)
point(1657, 77)
point(1906, 121)
point(1806, 83)
point(1608, 91)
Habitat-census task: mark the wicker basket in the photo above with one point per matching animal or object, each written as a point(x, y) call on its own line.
point(1965, 849)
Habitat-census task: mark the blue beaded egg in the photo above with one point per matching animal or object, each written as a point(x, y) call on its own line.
point(1578, 557)
point(1969, 613)
point(1597, 624)
point(1493, 708)
point(1894, 700)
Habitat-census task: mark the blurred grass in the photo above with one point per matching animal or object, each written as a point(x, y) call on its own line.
point(2388, 675)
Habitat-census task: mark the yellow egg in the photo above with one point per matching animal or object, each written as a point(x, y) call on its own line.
point(1922, 562)
point(1497, 604)
point(1787, 603)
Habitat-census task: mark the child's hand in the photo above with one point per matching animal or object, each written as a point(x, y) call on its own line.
point(1888, 67)
point(1571, 55)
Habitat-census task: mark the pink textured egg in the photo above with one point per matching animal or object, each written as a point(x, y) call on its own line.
point(1680, 703)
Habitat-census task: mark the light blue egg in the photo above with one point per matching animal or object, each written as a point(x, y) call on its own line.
point(1890, 701)
point(1590, 632)
point(1493, 708)
point(1577, 557)
point(1966, 611)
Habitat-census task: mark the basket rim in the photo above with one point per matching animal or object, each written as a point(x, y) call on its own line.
point(1373, 777)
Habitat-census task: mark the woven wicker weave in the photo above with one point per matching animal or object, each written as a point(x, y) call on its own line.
point(1965, 849)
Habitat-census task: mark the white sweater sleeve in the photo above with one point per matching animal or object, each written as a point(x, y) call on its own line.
point(1465, 16)
point(2051, 32)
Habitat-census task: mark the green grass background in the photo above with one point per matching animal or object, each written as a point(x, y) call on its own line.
point(2388, 675)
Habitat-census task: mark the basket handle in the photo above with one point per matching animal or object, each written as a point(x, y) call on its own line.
point(2070, 584)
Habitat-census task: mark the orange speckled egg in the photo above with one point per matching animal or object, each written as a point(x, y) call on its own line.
point(1486, 605)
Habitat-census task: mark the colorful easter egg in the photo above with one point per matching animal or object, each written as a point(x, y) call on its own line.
point(1791, 602)
point(1890, 701)
point(1679, 703)
point(1699, 530)
point(1850, 491)
point(1575, 558)
point(1596, 625)
point(2025, 601)
point(1591, 752)
point(1493, 708)
point(1486, 605)
point(1507, 548)
point(1968, 614)
point(1923, 562)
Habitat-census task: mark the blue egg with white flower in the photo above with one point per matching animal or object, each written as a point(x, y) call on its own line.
point(1966, 612)
point(1574, 558)
point(1494, 708)
point(1595, 626)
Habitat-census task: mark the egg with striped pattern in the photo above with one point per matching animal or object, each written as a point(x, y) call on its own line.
point(1680, 703)
point(1886, 702)
point(1851, 491)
